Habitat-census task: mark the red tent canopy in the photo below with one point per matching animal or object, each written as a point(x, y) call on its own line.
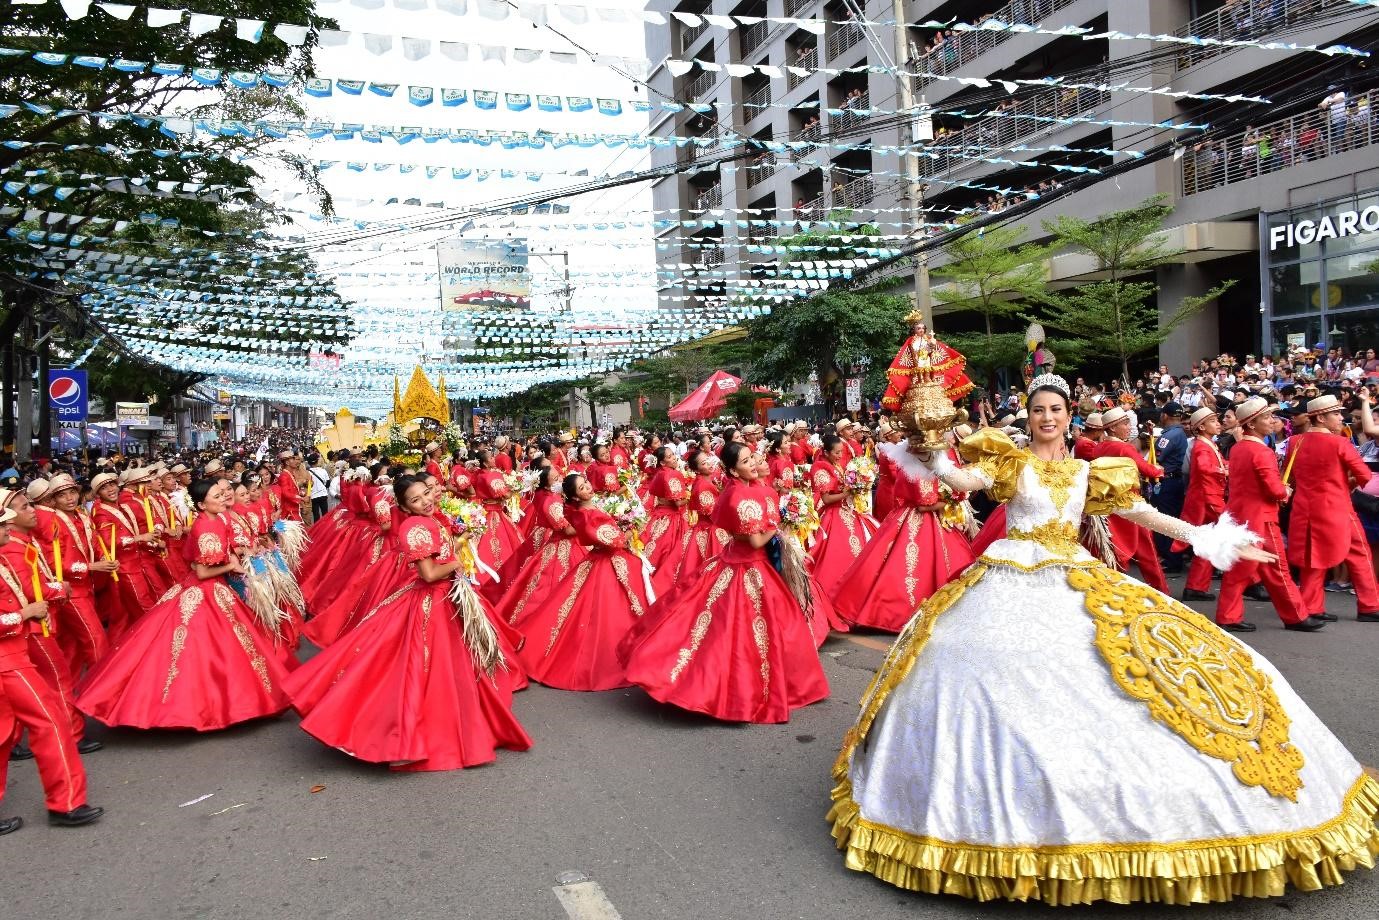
point(708, 399)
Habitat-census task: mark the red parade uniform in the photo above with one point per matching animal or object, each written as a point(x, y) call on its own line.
point(1132, 542)
point(619, 457)
point(129, 593)
point(707, 539)
point(560, 462)
point(338, 592)
point(37, 582)
point(434, 469)
point(1085, 449)
point(289, 496)
point(166, 517)
point(603, 477)
point(552, 553)
point(668, 528)
point(27, 701)
point(1324, 530)
point(799, 452)
point(500, 540)
point(883, 499)
point(138, 504)
point(68, 545)
point(503, 461)
point(1204, 503)
point(462, 481)
point(1255, 494)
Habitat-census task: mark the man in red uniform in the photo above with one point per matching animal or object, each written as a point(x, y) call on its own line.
point(1324, 530)
point(1255, 495)
point(28, 702)
point(852, 448)
point(1093, 430)
point(137, 503)
point(502, 460)
point(1133, 543)
point(433, 460)
point(1205, 500)
point(799, 443)
point(67, 539)
point(289, 491)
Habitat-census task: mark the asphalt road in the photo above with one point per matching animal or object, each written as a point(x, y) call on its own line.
point(665, 814)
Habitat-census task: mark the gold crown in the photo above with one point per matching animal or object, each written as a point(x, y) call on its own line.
point(914, 316)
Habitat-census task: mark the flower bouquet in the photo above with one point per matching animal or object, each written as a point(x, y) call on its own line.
point(799, 515)
point(513, 502)
point(467, 519)
point(626, 511)
point(859, 477)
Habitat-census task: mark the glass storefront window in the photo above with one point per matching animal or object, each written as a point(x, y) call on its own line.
point(1353, 281)
point(1358, 330)
point(1295, 289)
point(1304, 331)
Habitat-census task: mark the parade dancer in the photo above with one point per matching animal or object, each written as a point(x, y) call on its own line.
point(28, 703)
point(1256, 493)
point(1205, 500)
point(130, 591)
point(1180, 768)
point(1324, 530)
point(67, 538)
point(1132, 542)
point(843, 530)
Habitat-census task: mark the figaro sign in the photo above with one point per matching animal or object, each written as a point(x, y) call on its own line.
point(1330, 227)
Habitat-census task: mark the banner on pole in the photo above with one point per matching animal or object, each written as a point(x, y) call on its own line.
point(854, 394)
point(67, 394)
point(484, 274)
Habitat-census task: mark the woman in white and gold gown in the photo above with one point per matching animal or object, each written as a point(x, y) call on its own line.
point(1047, 728)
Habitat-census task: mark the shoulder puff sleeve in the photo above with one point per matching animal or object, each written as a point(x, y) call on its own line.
point(992, 458)
point(421, 538)
point(706, 501)
point(1113, 484)
point(751, 516)
point(382, 511)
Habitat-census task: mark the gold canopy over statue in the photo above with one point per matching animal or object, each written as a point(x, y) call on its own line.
point(420, 401)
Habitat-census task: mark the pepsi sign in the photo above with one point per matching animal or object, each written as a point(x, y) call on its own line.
point(67, 394)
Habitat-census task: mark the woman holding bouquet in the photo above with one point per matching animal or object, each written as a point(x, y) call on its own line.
point(782, 468)
point(501, 539)
point(843, 530)
point(920, 547)
point(572, 636)
point(707, 539)
point(418, 685)
point(667, 531)
point(732, 644)
point(555, 551)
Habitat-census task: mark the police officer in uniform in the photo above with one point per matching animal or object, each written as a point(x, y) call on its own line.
point(1171, 448)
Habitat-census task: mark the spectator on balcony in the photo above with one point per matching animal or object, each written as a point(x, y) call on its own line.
point(1359, 122)
point(1337, 117)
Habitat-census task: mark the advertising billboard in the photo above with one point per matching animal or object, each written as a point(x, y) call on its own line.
point(484, 275)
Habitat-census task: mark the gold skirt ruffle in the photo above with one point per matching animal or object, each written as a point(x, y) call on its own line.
point(1191, 872)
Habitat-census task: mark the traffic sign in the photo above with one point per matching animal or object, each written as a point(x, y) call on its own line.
point(67, 394)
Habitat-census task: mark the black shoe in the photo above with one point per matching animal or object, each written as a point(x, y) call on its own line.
point(89, 746)
point(1242, 626)
point(21, 752)
point(1368, 617)
point(1326, 617)
point(1311, 624)
point(1192, 594)
point(1256, 593)
point(10, 825)
point(84, 814)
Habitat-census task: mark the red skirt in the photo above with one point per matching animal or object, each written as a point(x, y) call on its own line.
point(327, 539)
point(405, 691)
point(199, 659)
point(500, 542)
point(911, 557)
point(667, 539)
point(534, 582)
point(706, 541)
point(732, 645)
point(572, 636)
point(843, 534)
point(365, 566)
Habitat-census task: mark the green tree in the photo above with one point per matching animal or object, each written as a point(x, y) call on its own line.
point(824, 333)
point(1115, 317)
point(990, 274)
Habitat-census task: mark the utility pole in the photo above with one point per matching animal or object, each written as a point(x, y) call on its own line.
point(909, 162)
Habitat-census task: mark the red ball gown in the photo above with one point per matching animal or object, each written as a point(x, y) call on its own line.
point(338, 594)
point(707, 539)
point(573, 635)
point(198, 659)
point(327, 535)
point(557, 556)
point(668, 528)
point(733, 644)
point(501, 540)
point(843, 530)
point(406, 690)
point(912, 556)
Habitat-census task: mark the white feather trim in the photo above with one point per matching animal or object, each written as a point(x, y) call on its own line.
point(913, 467)
point(1220, 543)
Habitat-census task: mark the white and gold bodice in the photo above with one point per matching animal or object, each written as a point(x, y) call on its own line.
point(1046, 499)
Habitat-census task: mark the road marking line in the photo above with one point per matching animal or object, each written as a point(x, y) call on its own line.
point(586, 901)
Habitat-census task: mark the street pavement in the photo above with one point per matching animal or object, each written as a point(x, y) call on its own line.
point(623, 808)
